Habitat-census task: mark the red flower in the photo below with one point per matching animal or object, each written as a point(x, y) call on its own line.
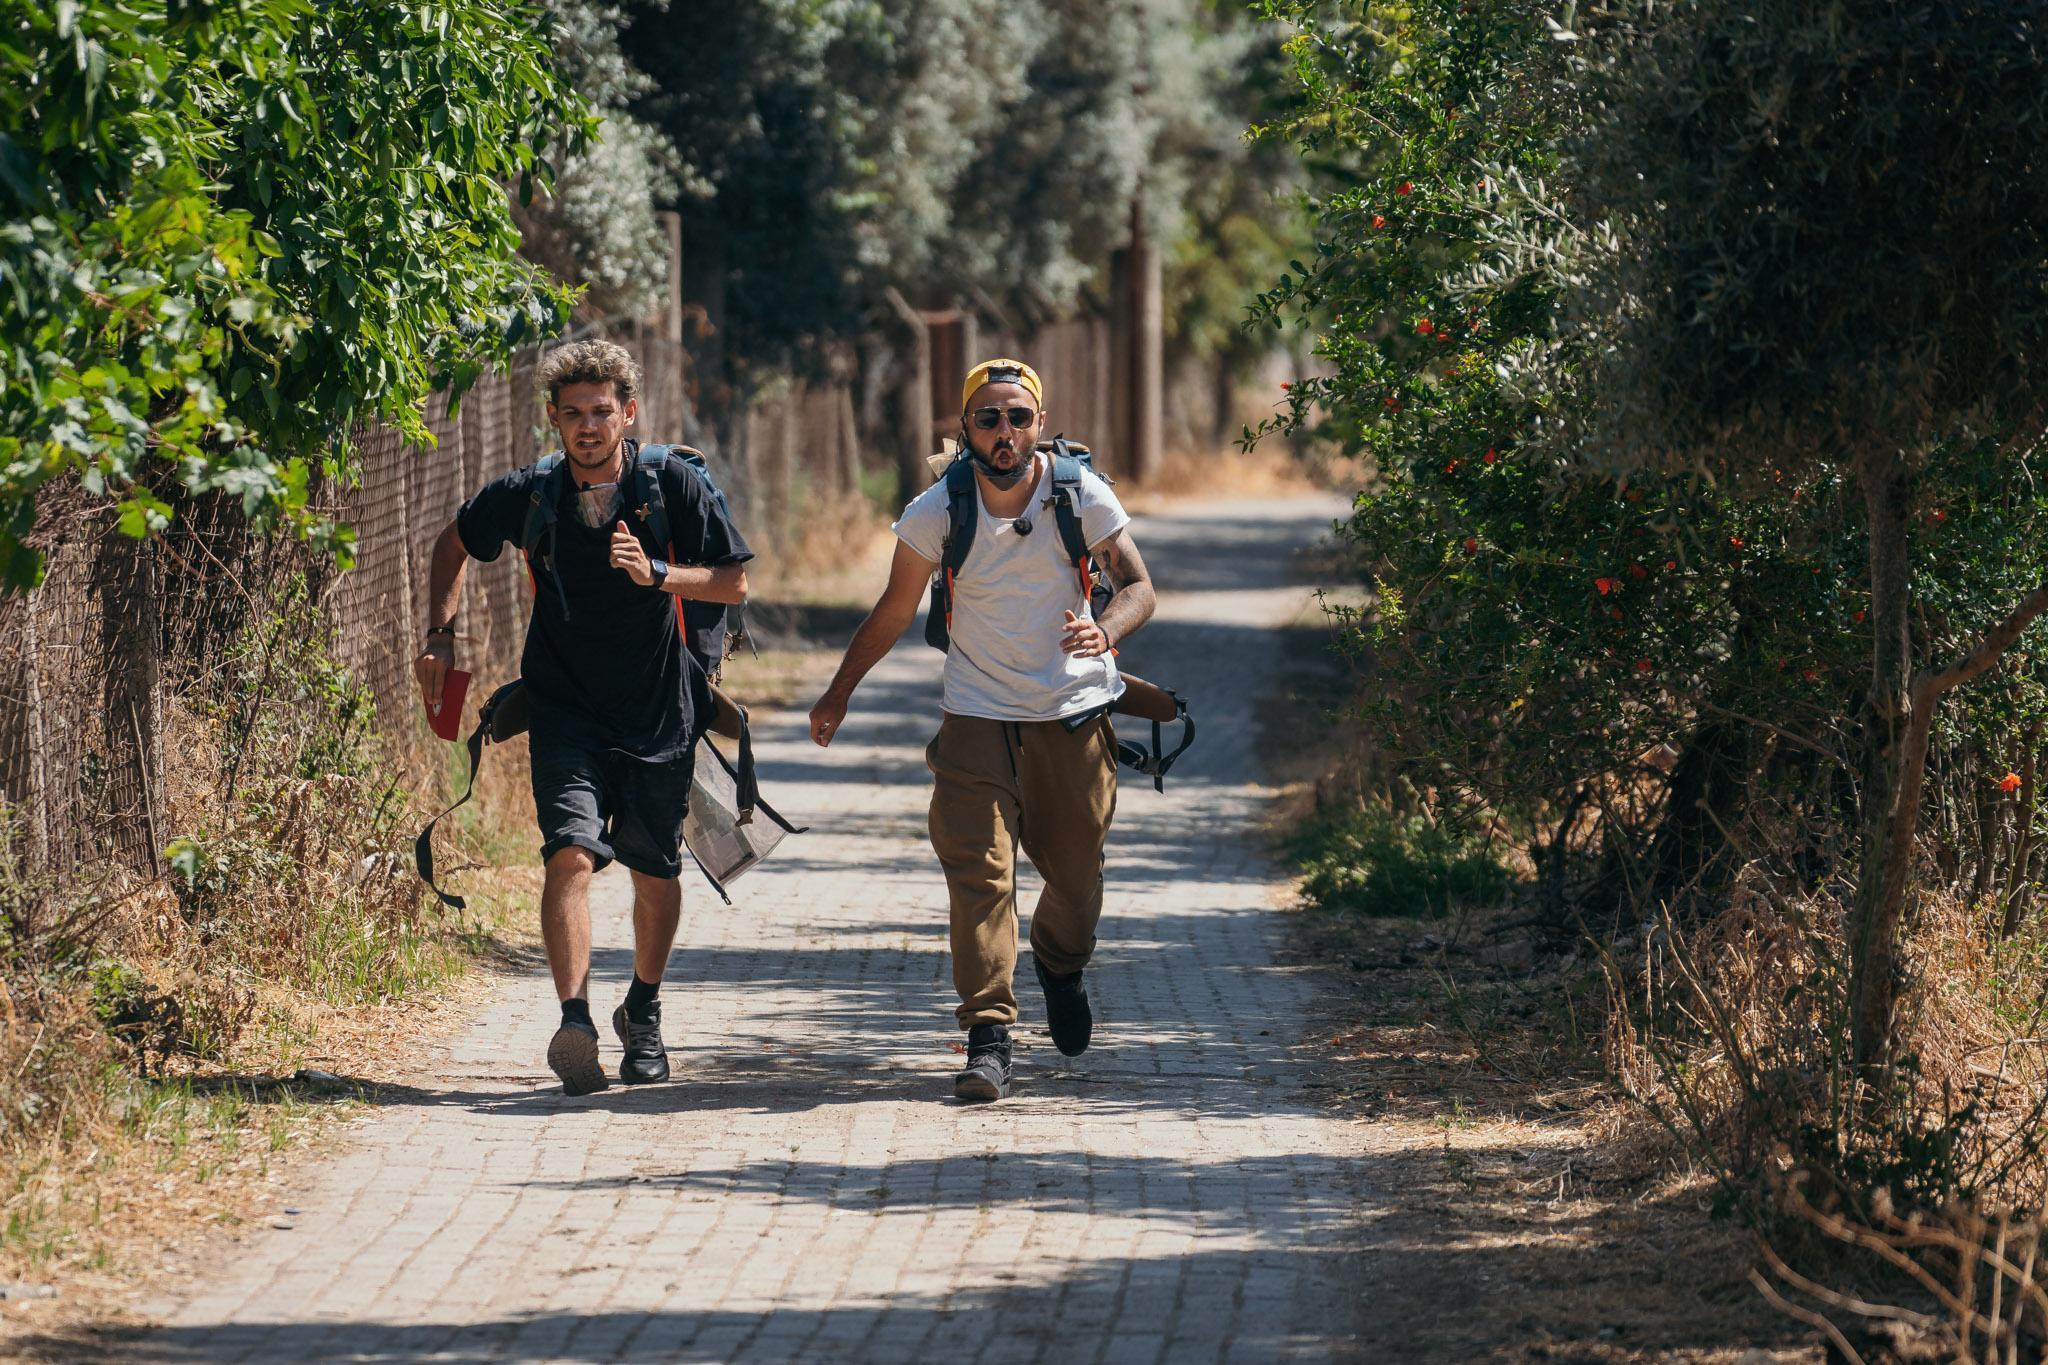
point(1490, 456)
point(1404, 188)
point(1452, 467)
point(1471, 545)
point(1286, 385)
point(1606, 585)
point(1615, 612)
point(1378, 221)
point(1638, 572)
point(1858, 618)
point(1642, 665)
point(2009, 784)
point(1391, 403)
point(1807, 674)
point(1424, 327)
point(1670, 564)
point(1736, 541)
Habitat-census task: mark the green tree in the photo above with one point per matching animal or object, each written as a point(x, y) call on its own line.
point(236, 230)
point(829, 151)
point(595, 227)
point(1824, 258)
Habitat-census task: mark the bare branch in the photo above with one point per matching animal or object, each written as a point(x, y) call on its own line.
point(1986, 652)
point(1805, 1315)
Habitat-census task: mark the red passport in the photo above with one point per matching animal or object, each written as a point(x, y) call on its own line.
point(447, 721)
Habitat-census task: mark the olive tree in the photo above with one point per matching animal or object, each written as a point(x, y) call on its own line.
point(1826, 251)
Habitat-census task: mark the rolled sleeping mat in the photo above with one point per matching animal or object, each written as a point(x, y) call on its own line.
point(1147, 701)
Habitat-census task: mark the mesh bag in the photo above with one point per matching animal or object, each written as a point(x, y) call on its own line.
point(723, 835)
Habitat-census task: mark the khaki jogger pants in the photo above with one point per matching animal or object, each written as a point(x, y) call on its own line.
point(999, 784)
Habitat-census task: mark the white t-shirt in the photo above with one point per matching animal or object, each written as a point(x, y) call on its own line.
point(1010, 603)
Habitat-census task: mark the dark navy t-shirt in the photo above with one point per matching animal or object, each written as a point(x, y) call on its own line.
point(611, 673)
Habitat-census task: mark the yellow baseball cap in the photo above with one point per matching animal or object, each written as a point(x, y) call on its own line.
point(1002, 371)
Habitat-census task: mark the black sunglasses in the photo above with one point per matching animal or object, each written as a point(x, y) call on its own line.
point(987, 418)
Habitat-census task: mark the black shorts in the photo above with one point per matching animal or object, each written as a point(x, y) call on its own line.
point(617, 807)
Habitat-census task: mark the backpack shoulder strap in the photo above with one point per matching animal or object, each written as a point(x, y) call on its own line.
point(960, 515)
point(542, 503)
point(653, 508)
point(1066, 499)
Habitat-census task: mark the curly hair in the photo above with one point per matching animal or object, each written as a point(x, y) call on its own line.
point(590, 362)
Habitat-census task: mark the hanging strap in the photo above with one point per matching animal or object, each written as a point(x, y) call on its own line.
point(423, 847)
point(1158, 763)
point(759, 802)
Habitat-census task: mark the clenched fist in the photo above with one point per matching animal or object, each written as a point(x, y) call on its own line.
point(628, 554)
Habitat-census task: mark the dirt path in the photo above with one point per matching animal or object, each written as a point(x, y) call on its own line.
point(808, 1190)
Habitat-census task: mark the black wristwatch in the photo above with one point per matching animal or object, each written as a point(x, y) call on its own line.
point(660, 568)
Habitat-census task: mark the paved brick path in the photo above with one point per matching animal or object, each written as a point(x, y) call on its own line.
point(809, 1190)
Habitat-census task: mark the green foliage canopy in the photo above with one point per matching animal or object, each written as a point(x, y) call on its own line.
point(1827, 228)
point(830, 151)
point(1545, 609)
point(232, 230)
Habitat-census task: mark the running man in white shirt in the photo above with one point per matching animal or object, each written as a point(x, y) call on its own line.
point(1024, 754)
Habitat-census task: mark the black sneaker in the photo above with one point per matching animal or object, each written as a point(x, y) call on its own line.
point(1067, 1016)
point(646, 1059)
point(987, 1076)
point(572, 1055)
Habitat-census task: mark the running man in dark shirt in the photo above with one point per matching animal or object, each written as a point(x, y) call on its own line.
point(617, 700)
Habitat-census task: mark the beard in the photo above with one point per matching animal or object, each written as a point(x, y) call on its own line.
point(1020, 455)
point(587, 457)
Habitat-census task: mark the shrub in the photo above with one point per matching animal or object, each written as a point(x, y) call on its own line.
point(1374, 862)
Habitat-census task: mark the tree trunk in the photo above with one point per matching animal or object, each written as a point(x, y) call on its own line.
point(1708, 784)
point(2019, 887)
point(1895, 762)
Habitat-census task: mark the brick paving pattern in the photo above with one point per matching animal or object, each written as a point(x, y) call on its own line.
point(808, 1190)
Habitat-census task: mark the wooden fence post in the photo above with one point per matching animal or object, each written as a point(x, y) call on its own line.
point(1142, 365)
point(913, 404)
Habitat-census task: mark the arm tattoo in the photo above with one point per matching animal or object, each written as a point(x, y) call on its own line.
point(1131, 606)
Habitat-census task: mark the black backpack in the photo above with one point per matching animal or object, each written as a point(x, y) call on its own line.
point(710, 629)
point(1069, 461)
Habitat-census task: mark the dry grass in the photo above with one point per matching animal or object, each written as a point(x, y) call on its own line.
point(1270, 471)
point(1734, 1036)
point(842, 557)
point(1901, 1220)
point(163, 1034)
point(1499, 1159)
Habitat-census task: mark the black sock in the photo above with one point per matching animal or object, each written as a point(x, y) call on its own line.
point(640, 997)
point(576, 1010)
